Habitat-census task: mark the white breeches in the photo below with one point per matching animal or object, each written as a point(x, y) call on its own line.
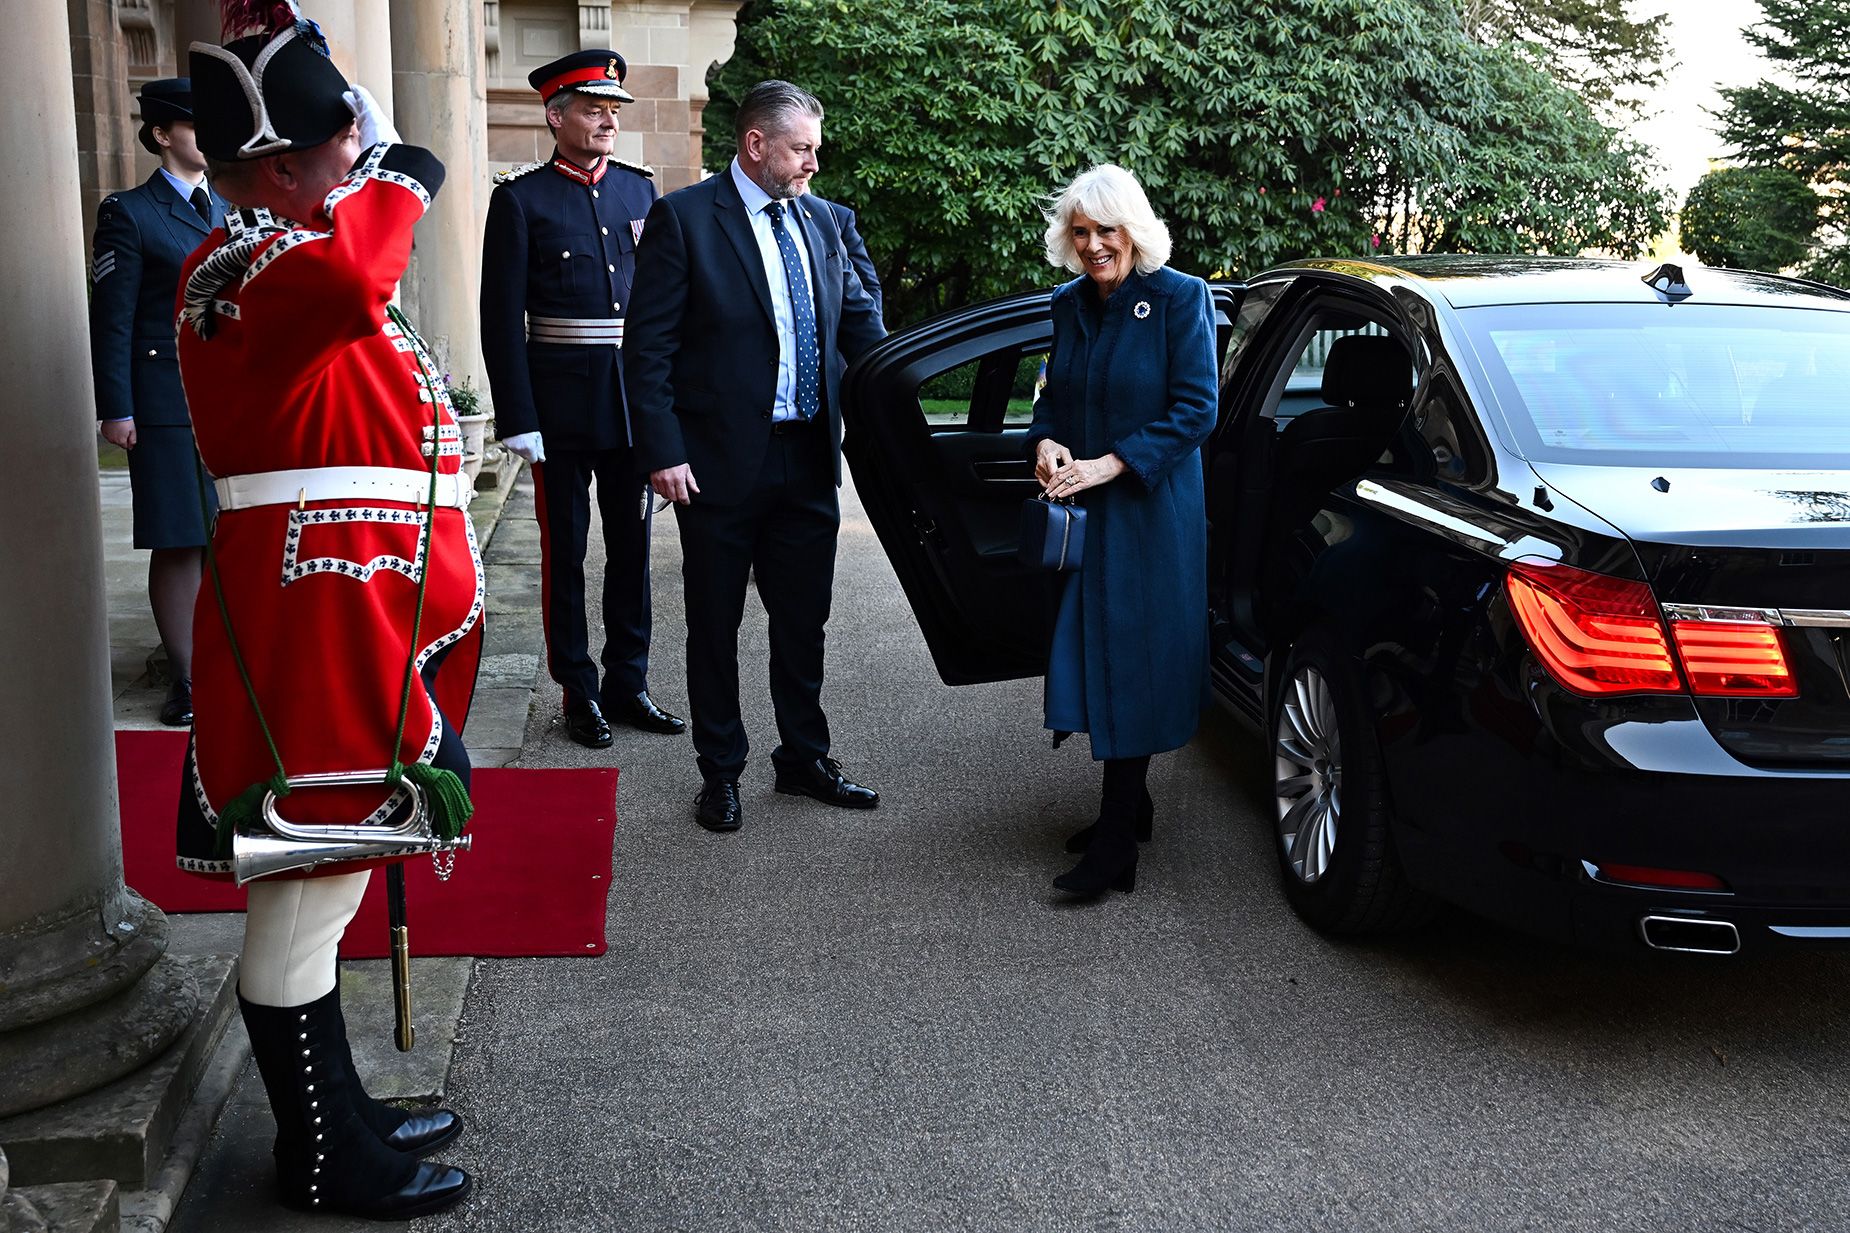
point(291, 930)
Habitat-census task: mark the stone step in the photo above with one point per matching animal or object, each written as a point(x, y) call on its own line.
point(69, 1207)
point(121, 1132)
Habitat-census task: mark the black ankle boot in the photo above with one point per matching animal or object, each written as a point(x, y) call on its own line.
point(1081, 839)
point(416, 1134)
point(328, 1159)
point(1110, 862)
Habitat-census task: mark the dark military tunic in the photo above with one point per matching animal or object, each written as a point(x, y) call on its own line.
point(143, 235)
point(560, 247)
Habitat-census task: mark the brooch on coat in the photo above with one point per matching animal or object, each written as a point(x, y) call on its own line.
point(1141, 310)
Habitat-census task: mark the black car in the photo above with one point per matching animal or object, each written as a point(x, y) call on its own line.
point(1536, 573)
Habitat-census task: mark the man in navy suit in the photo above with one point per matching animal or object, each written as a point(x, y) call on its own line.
point(856, 247)
point(747, 312)
point(143, 235)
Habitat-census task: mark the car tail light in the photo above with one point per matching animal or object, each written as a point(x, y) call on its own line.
point(1733, 659)
point(1670, 879)
point(1594, 634)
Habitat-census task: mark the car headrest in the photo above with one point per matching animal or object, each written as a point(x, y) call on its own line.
point(1368, 370)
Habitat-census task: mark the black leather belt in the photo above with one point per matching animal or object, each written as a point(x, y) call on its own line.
point(781, 428)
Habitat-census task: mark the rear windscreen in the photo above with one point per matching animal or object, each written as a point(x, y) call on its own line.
point(1686, 385)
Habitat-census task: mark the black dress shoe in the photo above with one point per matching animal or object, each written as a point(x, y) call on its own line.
point(177, 711)
point(823, 780)
point(641, 712)
point(585, 724)
point(422, 1133)
point(717, 807)
point(1094, 874)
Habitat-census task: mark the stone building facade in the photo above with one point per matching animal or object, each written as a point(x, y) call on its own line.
point(453, 74)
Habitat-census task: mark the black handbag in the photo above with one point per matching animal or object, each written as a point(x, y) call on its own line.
point(1053, 534)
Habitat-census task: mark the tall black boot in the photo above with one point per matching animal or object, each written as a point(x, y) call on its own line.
point(1110, 862)
point(1081, 839)
point(417, 1134)
point(327, 1158)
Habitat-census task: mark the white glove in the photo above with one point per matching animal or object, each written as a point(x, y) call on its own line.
point(375, 125)
point(528, 445)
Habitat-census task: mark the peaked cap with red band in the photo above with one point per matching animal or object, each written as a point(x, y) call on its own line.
point(595, 71)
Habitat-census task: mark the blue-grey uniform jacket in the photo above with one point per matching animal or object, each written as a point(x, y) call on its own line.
point(560, 246)
point(143, 235)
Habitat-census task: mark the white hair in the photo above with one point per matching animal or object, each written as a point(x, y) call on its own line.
point(1111, 197)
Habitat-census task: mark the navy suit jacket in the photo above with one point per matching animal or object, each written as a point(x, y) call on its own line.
point(554, 247)
point(143, 236)
point(700, 347)
point(857, 250)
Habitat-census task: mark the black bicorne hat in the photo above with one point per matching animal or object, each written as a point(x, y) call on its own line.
point(258, 96)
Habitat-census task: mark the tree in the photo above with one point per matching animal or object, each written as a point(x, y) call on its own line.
point(1803, 127)
point(1305, 127)
point(1750, 218)
point(1596, 48)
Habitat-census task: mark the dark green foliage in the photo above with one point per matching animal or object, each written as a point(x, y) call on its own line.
point(1267, 131)
point(1805, 127)
point(1750, 218)
point(1596, 48)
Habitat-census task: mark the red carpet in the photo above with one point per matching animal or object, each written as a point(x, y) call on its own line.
point(534, 884)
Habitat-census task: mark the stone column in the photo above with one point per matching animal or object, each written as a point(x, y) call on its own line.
point(441, 103)
point(85, 996)
point(194, 21)
point(359, 36)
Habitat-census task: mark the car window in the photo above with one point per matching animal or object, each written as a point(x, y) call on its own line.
point(987, 394)
point(1298, 387)
point(1690, 385)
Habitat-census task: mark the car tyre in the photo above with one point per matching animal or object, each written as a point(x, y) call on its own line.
point(1334, 820)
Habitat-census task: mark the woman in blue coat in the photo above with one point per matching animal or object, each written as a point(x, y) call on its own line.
point(1130, 397)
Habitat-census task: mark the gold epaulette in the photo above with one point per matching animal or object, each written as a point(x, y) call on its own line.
point(648, 173)
point(514, 173)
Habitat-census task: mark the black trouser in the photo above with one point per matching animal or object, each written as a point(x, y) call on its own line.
point(783, 534)
point(562, 488)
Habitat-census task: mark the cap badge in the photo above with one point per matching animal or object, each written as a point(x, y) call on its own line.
point(1141, 310)
point(610, 71)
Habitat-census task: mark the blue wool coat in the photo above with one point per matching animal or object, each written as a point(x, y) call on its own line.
point(1137, 378)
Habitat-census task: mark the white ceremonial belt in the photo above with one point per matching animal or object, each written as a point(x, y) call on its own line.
point(576, 331)
point(341, 484)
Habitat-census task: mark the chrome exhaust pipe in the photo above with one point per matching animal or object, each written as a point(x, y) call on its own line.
point(1690, 935)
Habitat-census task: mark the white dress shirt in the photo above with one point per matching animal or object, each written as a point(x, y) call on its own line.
point(784, 407)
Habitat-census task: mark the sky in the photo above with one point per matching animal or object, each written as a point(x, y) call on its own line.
point(1706, 43)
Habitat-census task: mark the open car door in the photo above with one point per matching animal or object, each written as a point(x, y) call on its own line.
point(936, 434)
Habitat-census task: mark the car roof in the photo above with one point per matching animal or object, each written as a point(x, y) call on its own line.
point(1475, 281)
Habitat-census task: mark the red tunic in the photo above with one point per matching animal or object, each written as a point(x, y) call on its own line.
point(290, 362)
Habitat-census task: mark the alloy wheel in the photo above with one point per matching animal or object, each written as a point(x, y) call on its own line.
point(1307, 774)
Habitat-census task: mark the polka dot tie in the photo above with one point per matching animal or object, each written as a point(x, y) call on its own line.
point(809, 368)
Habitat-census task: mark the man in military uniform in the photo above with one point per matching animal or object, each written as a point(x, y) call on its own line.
point(342, 557)
point(556, 268)
point(142, 236)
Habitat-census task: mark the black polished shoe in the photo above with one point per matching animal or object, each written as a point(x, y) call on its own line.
point(177, 711)
point(585, 724)
point(823, 780)
point(717, 807)
point(413, 1132)
point(422, 1133)
point(641, 713)
point(1081, 839)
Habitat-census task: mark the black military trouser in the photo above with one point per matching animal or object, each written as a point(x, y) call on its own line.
point(562, 492)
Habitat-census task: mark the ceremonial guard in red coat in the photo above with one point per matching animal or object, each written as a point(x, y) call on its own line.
point(322, 419)
point(557, 259)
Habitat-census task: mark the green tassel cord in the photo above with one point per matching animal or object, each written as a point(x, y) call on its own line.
point(450, 806)
point(242, 811)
